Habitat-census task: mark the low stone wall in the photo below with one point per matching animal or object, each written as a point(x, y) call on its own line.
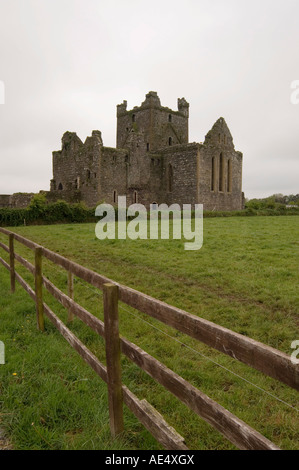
point(70, 196)
point(22, 200)
point(16, 200)
point(5, 200)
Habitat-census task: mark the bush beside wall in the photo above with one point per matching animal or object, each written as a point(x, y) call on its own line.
point(39, 212)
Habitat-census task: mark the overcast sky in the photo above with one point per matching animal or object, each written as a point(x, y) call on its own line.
point(66, 65)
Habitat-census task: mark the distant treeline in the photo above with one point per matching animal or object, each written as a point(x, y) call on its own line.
point(39, 212)
point(274, 201)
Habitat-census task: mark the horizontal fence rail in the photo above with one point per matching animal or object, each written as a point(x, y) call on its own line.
point(255, 354)
point(266, 359)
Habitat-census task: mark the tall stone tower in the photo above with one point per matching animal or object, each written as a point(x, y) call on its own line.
point(159, 126)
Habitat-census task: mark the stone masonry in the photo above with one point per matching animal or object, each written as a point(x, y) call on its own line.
point(153, 162)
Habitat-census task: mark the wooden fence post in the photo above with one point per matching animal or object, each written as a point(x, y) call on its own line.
point(39, 289)
point(70, 293)
point(12, 264)
point(115, 393)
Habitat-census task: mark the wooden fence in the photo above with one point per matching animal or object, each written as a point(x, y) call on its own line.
point(268, 360)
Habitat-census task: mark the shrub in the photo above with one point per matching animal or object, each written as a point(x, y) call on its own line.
point(37, 205)
point(39, 212)
point(12, 217)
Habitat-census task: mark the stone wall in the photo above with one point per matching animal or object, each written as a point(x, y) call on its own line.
point(21, 200)
point(179, 177)
point(76, 167)
point(113, 174)
point(220, 170)
point(158, 125)
point(72, 197)
point(16, 200)
point(153, 162)
point(5, 200)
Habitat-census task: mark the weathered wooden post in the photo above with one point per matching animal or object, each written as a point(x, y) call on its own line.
point(12, 263)
point(115, 395)
point(39, 289)
point(70, 289)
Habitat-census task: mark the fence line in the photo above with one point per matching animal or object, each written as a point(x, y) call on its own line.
point(266, 359)
point(233, 344)
point(210, 360)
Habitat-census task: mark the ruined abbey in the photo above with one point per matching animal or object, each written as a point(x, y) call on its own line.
point(153, 162)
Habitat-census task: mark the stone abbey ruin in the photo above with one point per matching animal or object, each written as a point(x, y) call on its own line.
point(153, 162)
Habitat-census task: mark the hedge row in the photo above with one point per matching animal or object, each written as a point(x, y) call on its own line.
point(41, 213)
point(249, 211)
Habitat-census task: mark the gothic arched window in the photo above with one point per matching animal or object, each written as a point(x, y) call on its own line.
point(170, 177)
point(221, 174)
point(213, 174)
point(229, 175)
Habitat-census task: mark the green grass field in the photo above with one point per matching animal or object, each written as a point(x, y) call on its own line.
point(245, 277)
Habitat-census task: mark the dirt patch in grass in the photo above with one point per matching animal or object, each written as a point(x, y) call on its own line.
point(5, 444)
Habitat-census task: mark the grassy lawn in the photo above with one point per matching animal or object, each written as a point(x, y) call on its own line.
point(245, 277)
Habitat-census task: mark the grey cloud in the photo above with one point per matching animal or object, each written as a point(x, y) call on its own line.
point(67, 64)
